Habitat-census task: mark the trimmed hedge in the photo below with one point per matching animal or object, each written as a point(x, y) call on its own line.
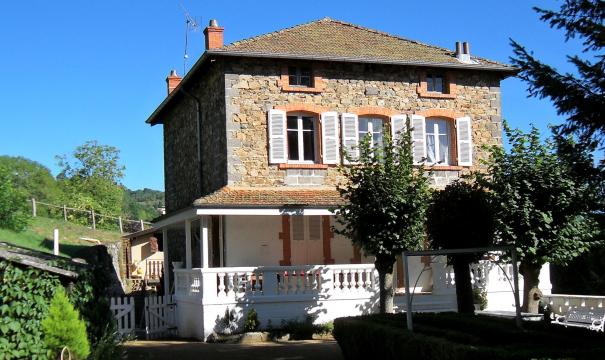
point(453, 336)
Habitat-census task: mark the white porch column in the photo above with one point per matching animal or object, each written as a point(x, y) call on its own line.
point(204, 241)
point(166, 262)
point(188, 244)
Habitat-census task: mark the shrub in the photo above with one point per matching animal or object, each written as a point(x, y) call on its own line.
point(109, 346)
point(480, 298)
point(252, 323)
point(63, 327)
point(304, 330)
point(14, 214)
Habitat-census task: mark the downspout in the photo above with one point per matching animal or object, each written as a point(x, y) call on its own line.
point(198, 114)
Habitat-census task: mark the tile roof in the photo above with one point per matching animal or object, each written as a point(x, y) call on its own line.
point(337, 40)
point(230, 196)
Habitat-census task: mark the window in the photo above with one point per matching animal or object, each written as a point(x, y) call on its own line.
point(373, 127)
point(306, 228)
point(437, 141)
point(300, 76)
point(435, 83)
point(301, 138)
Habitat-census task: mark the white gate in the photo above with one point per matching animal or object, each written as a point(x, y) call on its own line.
point(123, 311)
point(160, 316)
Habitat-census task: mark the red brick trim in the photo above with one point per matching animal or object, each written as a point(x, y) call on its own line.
point(284, 235)
point(446, 168)
point(444, 113)
point(373, 110)
point(302, 107)
point(327, 235)
point(284, 82)
point(356, 255)
point(450, 82)
point(302, 166)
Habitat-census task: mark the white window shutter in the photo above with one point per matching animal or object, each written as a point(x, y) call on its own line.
point(465, 141)
point(278, 152)
point(350, 135)
point(398, 126)
point(418, 139)
point(329, 136)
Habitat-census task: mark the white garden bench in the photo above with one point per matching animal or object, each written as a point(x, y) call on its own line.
point(593, 319)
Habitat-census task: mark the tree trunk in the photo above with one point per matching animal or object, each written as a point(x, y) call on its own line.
point(385, 280)
point(531, 291)
point(464, 288)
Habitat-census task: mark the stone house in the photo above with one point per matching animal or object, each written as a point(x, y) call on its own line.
point(252, 140)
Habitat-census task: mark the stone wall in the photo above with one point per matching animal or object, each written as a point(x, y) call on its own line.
point(184, 181)
point(253, 87)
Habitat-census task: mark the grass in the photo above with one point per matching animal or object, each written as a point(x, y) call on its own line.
point(39, 236)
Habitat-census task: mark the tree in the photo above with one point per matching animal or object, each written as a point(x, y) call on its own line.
point(542, 206)
point(580, 97)
point(91, 177)
point(63, 327)
point(14, 212)
point(32, 178)
point(385, 205)
point(461, 216)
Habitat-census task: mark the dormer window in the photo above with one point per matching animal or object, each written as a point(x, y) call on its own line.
point(300, 76)
point(435, 83)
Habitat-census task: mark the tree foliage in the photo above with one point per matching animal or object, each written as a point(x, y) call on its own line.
point(581, 96)
point(32, 178)
point(543, 205)
point(63, 327)
point(91, 177)
point(461, 216)
point(14, 213)
point(386, 199)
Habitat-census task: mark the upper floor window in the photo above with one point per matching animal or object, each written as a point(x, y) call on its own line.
point(372, 127)
point(301, 138)
point(300, 76)
point(438, 141)
point(435, 83)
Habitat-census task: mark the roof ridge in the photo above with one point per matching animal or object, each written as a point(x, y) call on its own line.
point(272, 33)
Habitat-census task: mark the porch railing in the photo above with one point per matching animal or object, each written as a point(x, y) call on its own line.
point(264, 281)
point(562, 303)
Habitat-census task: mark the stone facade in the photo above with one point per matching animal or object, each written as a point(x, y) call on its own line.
point(237, 93)
point(253, 87)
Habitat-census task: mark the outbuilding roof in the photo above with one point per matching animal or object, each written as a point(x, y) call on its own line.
point(230, 196)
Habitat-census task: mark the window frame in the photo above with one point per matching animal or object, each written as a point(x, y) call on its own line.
point(300, 137)
point(298, 75)
point(448, 86)
point(449, 160)
point(385, 124)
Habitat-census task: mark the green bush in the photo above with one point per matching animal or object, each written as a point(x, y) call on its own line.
point(304, 330)
point(480, 298)
point(455, 336)
point(252, 323)
point(109, 346)
point(24, 295)
point(63, 327)
point(14, 212)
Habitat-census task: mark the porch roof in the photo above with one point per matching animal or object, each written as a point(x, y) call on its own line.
point(231, 196)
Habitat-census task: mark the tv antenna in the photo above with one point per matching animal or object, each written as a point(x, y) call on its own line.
point(191, 24)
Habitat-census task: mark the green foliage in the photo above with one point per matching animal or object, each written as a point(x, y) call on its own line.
point(305, 329)
point(63, 327)
point(14, 213)
point(251, 323)
point(32, 178)
point(90, 179)
point(386, 199)
point(461, 216)
point(580, 96)
point(480, 298)
point(456, 336)
point(110, 345)
point(24, 295)
point(541, 205)
point(142, 204)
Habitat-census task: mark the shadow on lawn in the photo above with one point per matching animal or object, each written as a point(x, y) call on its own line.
point(71, 250)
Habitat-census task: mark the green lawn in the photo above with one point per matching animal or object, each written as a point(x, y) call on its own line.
point(39, 236)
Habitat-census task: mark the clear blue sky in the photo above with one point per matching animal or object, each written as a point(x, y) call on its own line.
point(73, 71)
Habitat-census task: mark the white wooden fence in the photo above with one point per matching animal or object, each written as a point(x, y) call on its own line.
point(159, 314)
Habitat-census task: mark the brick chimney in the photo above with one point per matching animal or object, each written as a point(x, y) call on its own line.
point(214, 35)
point(173, 80)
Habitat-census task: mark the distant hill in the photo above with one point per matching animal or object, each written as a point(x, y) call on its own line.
point(142, 204)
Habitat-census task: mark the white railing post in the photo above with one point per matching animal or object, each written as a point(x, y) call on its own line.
point(326, 281)
point(270, 282)
point(34, 209)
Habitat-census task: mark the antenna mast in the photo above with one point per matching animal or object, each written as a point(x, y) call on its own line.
point(190, 25)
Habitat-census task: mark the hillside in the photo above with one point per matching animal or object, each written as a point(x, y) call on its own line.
point(39, 236)
point(142, 204)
